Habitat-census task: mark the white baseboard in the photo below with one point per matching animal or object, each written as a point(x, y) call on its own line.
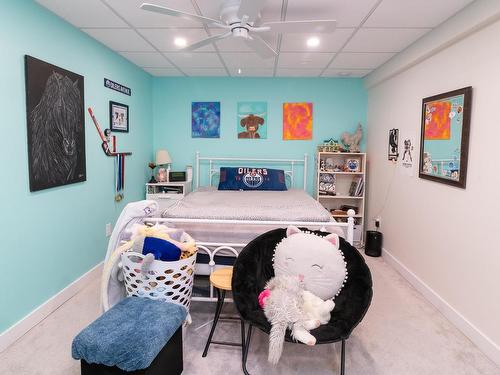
point(15, 332)
point(483, 342)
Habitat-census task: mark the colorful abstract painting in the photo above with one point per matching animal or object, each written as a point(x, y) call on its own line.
point(297, 121)
point(440, 116)
point(205, 120)
point(437, 120)
point(252, 120)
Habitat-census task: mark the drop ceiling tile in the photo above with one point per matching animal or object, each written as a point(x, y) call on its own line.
point(131, 11)
point(383, 40)
point(195, 59)
point(163, 39)
point(354, 60)
point(120, 39)
point(246, 60)
point(252, 72)
point(305, 60)
point(210, 8)
point(270, 12)
point(411, 13)
point(346, 73)
point(238, 45)
point(205, 72)
point(84, 13)
point(164, 72)
point(147, 59)
point(347, 13)
point(328, 42)
point(286, 72)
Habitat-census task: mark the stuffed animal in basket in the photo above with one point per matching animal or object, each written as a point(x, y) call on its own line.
point(309, 272)
point(167, 244)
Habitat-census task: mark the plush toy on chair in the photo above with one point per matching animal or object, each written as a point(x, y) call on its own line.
point(309, 271)
point(254, 268)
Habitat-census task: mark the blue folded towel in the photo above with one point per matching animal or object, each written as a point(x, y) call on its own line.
point(129, 335)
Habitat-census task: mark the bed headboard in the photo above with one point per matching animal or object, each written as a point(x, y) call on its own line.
point(290, 166)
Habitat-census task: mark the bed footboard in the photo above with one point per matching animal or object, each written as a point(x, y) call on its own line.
point(220, 254)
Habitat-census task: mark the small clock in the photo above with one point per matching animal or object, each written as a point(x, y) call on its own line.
point(352, 165)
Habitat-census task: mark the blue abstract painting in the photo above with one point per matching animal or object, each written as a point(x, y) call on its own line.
point(205, 120)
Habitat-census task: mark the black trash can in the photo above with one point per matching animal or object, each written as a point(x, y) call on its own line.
point(373, 245)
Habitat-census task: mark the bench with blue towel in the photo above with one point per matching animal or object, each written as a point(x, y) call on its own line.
point(136, 336)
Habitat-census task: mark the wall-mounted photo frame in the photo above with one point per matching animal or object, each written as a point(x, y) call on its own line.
point(393, 147)
point(118, 117)
point(444, 141)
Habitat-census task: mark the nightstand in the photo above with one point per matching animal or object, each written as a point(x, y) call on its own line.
point(167, 193)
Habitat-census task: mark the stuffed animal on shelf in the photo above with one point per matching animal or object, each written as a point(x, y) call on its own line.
point(310, 271)
point(351, 141)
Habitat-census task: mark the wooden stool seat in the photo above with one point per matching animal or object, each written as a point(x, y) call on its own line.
point(221, 281)
point(221, 278)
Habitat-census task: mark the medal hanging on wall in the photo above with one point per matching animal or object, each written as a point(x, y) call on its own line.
point(120, 176)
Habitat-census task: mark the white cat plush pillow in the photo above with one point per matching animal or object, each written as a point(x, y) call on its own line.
point(316, 260)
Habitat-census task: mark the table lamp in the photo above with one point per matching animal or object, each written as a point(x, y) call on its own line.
point(163, 158)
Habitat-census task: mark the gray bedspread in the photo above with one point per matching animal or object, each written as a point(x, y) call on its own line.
point(210, 203)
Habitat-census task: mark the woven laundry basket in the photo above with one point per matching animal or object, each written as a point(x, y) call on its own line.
point(164, 281)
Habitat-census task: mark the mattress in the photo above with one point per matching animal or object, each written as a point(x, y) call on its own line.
point(210, 203)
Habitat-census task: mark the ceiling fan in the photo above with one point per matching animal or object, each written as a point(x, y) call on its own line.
point(242, 19)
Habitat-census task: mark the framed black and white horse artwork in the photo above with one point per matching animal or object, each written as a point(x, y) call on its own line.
point(55, 119)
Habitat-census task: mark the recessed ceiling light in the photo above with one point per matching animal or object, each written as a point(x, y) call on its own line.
point(239, 70)
point(344, 74)
point(313, 42)
point(180, 42)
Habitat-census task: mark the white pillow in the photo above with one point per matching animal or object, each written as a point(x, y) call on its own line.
point(315, 259)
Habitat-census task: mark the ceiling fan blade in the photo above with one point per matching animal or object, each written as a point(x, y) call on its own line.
point(250, 8)
point(301, 27)
point(178, 13)
point(206, 41)
point(260, 46)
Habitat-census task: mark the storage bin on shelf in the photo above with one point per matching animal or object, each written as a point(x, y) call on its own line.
point(164, 281)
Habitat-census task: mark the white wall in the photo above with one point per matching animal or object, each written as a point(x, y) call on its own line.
point(447, 238)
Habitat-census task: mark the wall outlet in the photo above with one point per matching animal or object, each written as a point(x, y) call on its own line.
point(109, 229)
point(378, 221)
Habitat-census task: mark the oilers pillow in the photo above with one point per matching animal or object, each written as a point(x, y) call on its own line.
point(245, 178)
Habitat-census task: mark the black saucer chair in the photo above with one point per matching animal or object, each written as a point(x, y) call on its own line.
point(254, 267)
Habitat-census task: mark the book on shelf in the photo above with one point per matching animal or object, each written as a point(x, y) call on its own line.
point(357, 186)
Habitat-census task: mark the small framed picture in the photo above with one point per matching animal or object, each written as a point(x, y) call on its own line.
point(118, 117)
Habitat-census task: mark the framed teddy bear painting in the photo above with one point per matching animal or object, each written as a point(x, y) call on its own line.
point(252, 120)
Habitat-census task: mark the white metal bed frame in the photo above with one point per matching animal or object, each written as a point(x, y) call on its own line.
point(212, 248)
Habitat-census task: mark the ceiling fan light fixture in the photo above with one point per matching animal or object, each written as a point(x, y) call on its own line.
point(313, 42)
point(180, 42)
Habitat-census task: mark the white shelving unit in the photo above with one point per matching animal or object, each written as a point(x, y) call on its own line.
point(167, 193)
point(332, 169)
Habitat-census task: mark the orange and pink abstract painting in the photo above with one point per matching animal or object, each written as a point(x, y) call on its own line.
point(297, 121)
point(437, 120)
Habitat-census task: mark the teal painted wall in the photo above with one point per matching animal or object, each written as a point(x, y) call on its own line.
point(52, 237)
point(338, 105)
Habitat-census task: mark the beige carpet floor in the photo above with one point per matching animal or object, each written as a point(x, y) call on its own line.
point(402, 334)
